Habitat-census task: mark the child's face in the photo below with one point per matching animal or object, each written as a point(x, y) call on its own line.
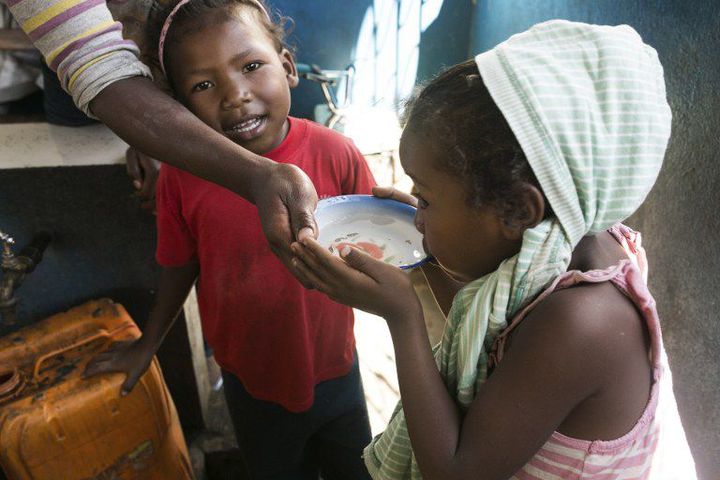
point(231, 76)
point(467, 242)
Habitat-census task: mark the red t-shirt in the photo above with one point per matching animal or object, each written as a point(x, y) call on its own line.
point(277, 337)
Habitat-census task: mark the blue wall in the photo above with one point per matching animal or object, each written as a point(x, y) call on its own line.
point(325, 33)
point(104, 243)
point(680, 219)
point(445, 42)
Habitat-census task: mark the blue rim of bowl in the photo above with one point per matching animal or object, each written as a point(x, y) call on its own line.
point(354, 198)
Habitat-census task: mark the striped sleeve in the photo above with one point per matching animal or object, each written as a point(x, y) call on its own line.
point(81, 42)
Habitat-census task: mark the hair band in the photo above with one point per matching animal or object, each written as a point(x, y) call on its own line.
point(168, 21)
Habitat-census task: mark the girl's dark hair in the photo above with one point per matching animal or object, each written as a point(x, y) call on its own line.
point(471, 140)
point(185, 20)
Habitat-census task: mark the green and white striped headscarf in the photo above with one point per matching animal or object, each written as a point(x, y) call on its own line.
point(587, 105)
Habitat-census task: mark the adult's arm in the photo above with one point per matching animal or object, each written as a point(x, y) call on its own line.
point(151, 121)
point(157, 125)
point(84, 45)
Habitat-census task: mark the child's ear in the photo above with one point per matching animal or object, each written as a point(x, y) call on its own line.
point(288, 63)
point(525, 211)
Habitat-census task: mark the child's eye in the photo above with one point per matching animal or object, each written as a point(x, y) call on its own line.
point(204, 85)
point(250, 67)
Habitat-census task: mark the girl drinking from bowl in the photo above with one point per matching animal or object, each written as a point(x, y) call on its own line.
point(551, 364)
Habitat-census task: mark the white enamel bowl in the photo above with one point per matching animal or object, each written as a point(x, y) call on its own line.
point(381, 227)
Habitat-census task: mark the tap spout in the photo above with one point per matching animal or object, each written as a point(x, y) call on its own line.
point(14, 268)
point(35, 249)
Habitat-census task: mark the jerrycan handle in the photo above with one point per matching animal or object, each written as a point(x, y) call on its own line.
point(100, 334)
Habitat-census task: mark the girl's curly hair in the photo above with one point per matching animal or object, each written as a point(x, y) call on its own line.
point(455, 114)
point(185, 20)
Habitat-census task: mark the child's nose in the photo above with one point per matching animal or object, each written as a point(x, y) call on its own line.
point(236, 95)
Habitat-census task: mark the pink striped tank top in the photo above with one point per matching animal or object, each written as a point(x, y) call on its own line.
point(655, 447)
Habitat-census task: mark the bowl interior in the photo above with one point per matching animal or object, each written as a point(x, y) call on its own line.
point(383, 228)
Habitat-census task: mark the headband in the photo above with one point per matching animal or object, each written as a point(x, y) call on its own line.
point(168, 21)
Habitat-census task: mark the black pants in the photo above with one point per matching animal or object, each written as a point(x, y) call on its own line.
point(326, 440)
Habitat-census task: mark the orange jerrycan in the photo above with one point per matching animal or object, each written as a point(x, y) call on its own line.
point(55, 425)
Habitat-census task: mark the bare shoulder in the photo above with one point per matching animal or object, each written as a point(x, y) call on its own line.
point(577, 364)
point(591, 318)
point(595, 339)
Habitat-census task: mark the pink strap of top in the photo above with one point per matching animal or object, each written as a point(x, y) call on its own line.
point(629, 276)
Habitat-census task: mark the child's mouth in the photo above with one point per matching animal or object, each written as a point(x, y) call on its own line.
point(247, 129)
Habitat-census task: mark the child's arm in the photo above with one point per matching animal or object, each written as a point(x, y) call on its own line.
point(134, 357)
point(515, 412)
point(143, 171)
point(552, 368)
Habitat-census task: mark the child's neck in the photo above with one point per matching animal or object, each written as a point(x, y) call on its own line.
point(284, 131)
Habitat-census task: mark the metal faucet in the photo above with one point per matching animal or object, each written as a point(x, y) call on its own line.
point(15, 268)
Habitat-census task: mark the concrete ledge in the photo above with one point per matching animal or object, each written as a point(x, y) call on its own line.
point(27, 145)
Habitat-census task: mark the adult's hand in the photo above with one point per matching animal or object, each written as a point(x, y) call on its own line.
point(143, 170)
point(286, 202)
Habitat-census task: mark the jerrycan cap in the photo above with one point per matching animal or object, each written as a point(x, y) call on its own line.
point(9, 382)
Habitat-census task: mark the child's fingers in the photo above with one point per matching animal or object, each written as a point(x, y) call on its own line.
point(132, 165)
point(336, 275)
point(309, 275)
point(115, 346)
point(316, 255)
point(311, 262)
point(130, 380)
point(393, 193)
point(102, 363)
point(354, 262)
point(301, 277)
point(362, 262)
point(323, 257)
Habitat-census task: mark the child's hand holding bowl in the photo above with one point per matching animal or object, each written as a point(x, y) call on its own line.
point(357, 280)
